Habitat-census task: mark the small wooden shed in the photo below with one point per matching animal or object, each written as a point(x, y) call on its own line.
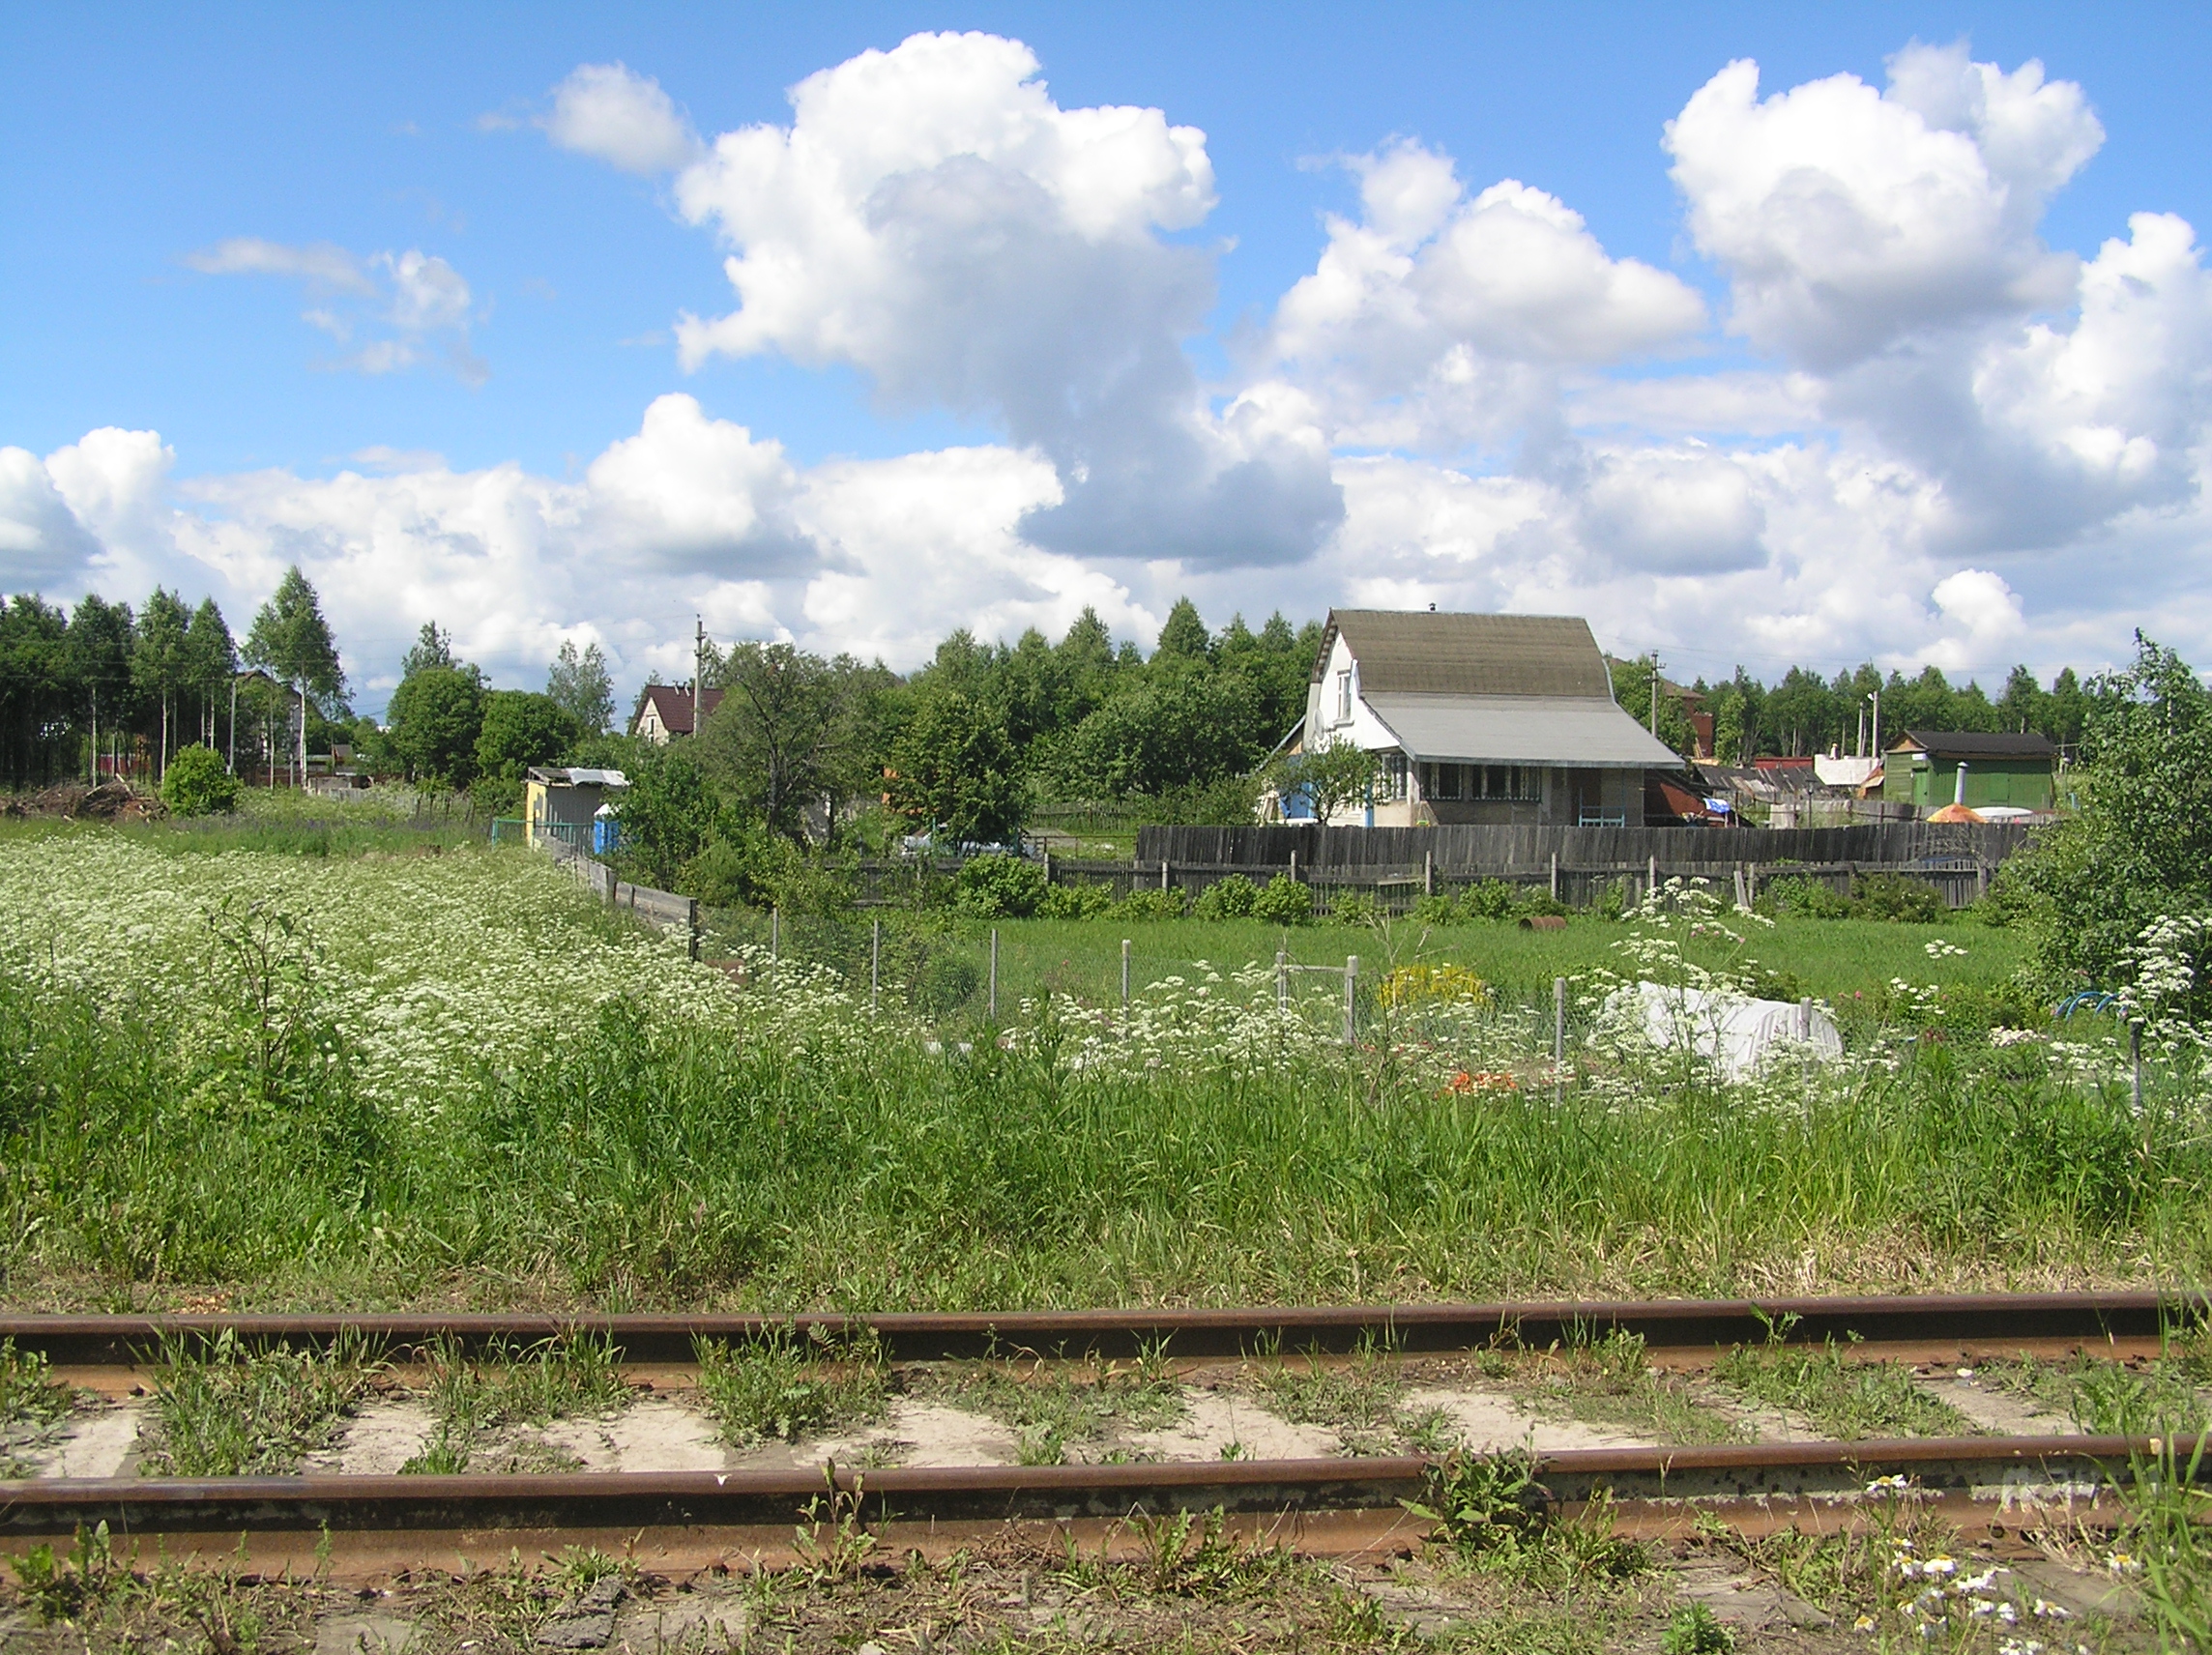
point(560, 803)
point(1921, 768)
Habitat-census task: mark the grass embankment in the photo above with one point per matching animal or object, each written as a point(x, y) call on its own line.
point(431, 1079)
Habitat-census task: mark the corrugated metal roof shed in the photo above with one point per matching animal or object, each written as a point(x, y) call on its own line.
point(1572, 731)
point(1421, 652)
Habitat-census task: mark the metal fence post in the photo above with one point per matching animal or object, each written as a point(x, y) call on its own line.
point(1163, 875)
point(692, 919)
point(1282, 979)
point(1805, 1018)
point(1559, 1035)
point(994, 974)
point(1124, 977)
point(1554, 876)
point(2135, 1055)
point(775, 932)
point(1350, 999)
point(875, 964)
point(1651, 876)
point(1428, 873)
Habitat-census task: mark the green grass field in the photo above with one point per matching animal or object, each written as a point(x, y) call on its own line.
point(278, 1072)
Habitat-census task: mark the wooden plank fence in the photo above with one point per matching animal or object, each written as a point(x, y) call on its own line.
point(663, 909)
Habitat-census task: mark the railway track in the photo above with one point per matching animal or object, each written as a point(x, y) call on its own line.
point(1994, 1485)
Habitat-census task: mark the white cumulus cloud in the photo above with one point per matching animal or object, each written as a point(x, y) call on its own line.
point(604, 109)
point(407, 306)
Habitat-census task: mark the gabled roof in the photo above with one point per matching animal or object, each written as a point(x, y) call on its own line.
point(1974, 744)
point(1422, 653)
point(672, 702)
point(559, 775)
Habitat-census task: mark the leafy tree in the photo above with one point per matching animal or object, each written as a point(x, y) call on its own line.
point(956, 770)
point(2140, 846)
point(1632, 687)
point(1178, 726)
point(158, 661)
point(436, 715)
point(292, 642)
point(196, 783)
point(37, 688)
point(433, 647)
point(516, 730)
point(100, 646)
point(210, 657)
point(668, 814)
point(1184, 633)
point(580, 687)
point(1333, 778)
point(789, 733)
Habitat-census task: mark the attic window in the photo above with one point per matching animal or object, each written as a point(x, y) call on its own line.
point(1344, 697)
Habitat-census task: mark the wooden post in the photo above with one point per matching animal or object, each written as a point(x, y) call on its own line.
point(875, 964)
point(994, 1003)
point(1124, 977)
point(1805, 1020)
point(1350, 999)
point(1559, 1035)
point(692, 924)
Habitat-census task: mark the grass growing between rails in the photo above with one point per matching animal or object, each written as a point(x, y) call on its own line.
point(480, 1406)
point(372, 1081)
point(780, 1387)
point(229, 1411)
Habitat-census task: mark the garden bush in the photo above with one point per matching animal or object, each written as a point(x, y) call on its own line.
point(1355, 908)
point(1437, 908)
point(1077, 902)
point(1487, 899)
point(1283, 901)
point(1001, 887)
point(1151, 905)
point(1895, 897)
point(1803, 897)
point(1230, 898)
point(195, 784)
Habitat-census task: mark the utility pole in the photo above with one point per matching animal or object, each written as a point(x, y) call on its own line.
point(1876, 697)
point(698, 668)
point(1654, 692)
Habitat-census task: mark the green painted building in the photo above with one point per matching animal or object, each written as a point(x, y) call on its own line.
point(1921, 770)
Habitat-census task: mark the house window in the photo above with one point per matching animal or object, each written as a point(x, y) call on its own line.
point(1443, 782)
point(1394, 776)
point(1344, 698)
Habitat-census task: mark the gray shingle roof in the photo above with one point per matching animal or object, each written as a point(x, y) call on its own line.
point(1978, 744)
point(1421, 652)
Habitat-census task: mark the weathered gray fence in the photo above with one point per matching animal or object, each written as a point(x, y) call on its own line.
point(662, 909)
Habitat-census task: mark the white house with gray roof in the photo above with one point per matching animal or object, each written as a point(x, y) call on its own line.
point(1480, 718)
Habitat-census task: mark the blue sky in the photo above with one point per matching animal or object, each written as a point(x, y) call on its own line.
point(139, 143)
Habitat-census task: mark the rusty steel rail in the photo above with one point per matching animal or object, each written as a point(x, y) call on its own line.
point(1993, 1321)
point(2025, 1483)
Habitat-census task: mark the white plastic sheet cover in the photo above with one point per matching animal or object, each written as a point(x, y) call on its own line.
point(1732, 1031)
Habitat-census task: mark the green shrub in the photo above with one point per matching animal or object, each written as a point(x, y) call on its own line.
point(720, 876)
point(1077, 902)
point(1283, 901)
point(1529, 899)
point(947, 984)
point(1894, 897)
point(1802, 897)
point(1355, 908)
point(195, 784)
point(1613, 900)
point(1001, 887)
point(1151, 905)
point(1437, 908)
point(1487, 899)
point(1230, 898)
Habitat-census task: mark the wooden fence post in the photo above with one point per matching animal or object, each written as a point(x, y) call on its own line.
point(692, 924)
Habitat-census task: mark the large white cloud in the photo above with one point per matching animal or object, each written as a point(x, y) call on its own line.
point(933, 218)
point(1848, 219)
point(1439, 319)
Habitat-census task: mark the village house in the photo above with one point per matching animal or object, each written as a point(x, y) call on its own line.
point(1479, 719)
point(664, 711)
point(570, 806)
